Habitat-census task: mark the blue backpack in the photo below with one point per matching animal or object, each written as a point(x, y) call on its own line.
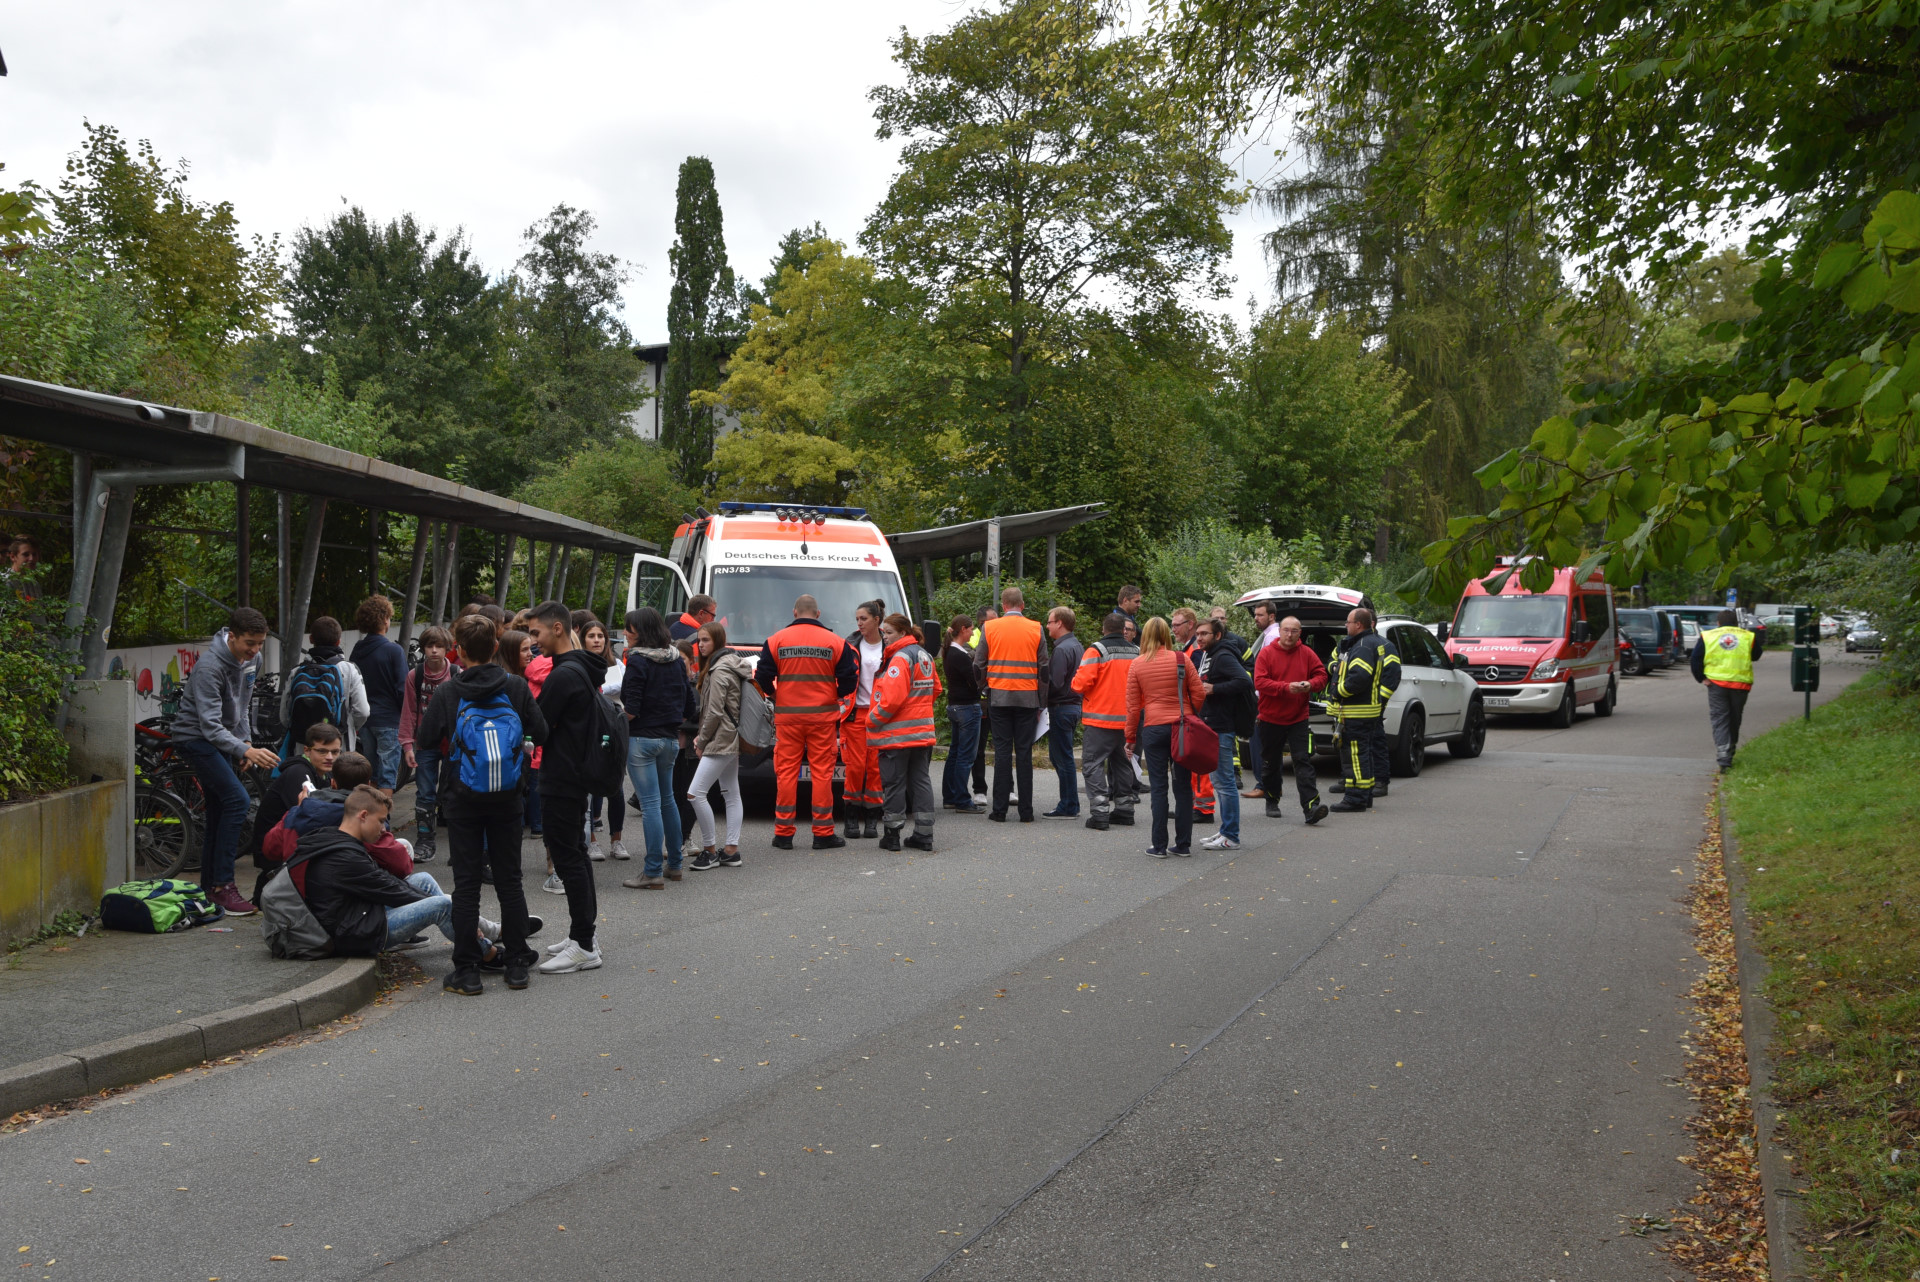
point(315, 693)
point(485, 746)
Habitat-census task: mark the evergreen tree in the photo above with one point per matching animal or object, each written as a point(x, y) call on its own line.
point(704, 320)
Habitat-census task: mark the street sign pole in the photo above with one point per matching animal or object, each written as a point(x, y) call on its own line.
point(993, 557)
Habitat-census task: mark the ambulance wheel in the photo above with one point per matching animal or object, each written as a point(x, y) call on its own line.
point(1604, 708)
point(1562, 716)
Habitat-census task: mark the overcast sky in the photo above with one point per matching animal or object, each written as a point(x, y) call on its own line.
point(484, 115)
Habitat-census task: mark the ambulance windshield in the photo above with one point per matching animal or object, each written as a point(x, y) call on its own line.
point(756, 601)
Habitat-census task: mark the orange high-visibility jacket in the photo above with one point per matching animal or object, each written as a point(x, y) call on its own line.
point(901, 714)
point(1013, 644)
point(1101, 682)
point(809, 664)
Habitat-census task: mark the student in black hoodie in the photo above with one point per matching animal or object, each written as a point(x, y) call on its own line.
point(365, 908)
point(566, 700)
point(483, 824)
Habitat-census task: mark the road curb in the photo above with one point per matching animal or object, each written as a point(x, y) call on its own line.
point(1786, 1225)
point(125, 1060)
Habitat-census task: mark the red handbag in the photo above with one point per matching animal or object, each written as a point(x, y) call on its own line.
point(1196, 747)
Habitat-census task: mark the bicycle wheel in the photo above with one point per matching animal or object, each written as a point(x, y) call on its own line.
point(164, 834)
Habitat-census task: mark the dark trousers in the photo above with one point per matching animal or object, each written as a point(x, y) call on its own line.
point(1111, 785)
point(1061, 723)
point(963, 754)
point(683, 767)
point(1013, 756)
point(566, 840)
point(1363, 753)
point(1296, 741)
point(1724, 708)
point(227, 803)
point(490, 836)
point(1164, 775)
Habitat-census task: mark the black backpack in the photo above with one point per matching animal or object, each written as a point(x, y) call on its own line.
point(604, 763)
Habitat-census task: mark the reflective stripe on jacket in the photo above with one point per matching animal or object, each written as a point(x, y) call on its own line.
point(901, 714)
point(1365, 673)
point(1013, 644)
point(1727, 658)
point(806, 659)
point(1101, 680)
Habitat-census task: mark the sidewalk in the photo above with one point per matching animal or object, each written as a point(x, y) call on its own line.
point(80, 1015)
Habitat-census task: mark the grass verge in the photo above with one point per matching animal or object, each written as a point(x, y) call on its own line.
point(1826, 814)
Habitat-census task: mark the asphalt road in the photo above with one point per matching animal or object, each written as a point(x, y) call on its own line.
point(1437, 1041)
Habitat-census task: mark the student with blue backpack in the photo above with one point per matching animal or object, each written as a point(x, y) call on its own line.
point(324, 686)
point(482, 719)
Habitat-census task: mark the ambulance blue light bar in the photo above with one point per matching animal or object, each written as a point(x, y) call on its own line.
point(796, 511)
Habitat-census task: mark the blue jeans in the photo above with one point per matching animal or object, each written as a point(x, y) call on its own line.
point(650, 766)
point(226, 808)
point(1061, 723)
point(426, 783)
point(1156, 745)
point(965, 721)
point(381, 744)
point(1226, 787)
point(408, 920)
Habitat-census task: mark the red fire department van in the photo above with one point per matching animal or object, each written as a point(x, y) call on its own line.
point(1539, 654)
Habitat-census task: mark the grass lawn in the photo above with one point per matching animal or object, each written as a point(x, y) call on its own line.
point(1827, 817)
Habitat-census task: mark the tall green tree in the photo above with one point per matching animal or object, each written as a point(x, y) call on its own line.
point(410, 320)
point(202, 290)
point(571, 358)
point(1045, 175)
point(705, 319)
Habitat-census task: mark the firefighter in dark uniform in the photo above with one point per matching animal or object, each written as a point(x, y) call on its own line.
point(1364, 674)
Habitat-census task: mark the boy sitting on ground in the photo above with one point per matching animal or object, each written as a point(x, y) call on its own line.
point(307, 773)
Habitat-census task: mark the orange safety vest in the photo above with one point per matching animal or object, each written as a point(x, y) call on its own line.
point(1101, 682)
point(804, 657)
point(1013, 652)
point(901, 714)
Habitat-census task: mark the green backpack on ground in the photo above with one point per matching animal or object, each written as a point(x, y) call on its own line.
point(156, 907)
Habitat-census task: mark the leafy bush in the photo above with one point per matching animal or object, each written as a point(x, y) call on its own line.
point(1210, 562)
point(969, 595)
point(36, 675)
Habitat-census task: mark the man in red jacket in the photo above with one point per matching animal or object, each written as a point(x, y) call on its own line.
point(1284, 677)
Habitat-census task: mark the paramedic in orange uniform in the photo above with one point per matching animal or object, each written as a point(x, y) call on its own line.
point(807, 671)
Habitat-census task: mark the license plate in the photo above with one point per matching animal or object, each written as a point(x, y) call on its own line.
point(806, 773)
point(1498, 703)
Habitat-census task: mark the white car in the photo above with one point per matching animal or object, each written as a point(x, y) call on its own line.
point(1435, 702)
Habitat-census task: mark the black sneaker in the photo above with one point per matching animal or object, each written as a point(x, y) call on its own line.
point(730, 859)
point(1158, 852)
point(1184, 852)
point(828, 843)
point(465, 981)
point(705, 861)
point(969, 809)
point(1121, 818)
point(783, 843)
point(423, 848)
point(890, 839)
point(998, 816)
point(1057, 813)
point(1273, 810)
point(534, 924)
point(1318, 812)
point(517, 973)
point(1097, 822)
point(917, 842)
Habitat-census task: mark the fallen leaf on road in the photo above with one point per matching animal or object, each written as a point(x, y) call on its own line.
point(276, 1257)
point(81, 1161)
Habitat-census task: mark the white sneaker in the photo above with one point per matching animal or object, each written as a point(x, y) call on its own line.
point(557, 945)
point(553, 885)
point(569, 959)
point(1218, 842)
point(597, 852)
point(619, 850)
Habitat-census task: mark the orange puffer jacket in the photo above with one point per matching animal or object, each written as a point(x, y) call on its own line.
point(901, 715)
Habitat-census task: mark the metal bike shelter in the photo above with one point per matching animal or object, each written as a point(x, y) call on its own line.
point(969, 537)
point(119, 445)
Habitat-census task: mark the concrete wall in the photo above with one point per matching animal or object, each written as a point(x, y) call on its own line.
point(100, 739)
point(56, 852)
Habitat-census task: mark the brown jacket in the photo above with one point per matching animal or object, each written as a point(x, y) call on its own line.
point(1153, 691)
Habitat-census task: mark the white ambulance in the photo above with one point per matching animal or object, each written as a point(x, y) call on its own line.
point(753, 559)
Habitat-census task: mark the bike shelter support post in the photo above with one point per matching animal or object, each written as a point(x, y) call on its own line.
point(283, 571)
point(503, 582)
point(294, 630)
point(593, 576)
point(553, 567)
point(438, 616)
point(613, 594)
point(566, 563)
point(533, 578)
point(926, 572)
point(87, 523)
point(410, 609)
point(453, 569)
point(243, 544)
point(1053, 550)
point(373, 551)
point(106, 581)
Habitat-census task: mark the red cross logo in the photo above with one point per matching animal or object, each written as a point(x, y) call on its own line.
point(871, 559)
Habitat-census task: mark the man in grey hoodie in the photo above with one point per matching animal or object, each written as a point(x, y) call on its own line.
point(214, 732)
